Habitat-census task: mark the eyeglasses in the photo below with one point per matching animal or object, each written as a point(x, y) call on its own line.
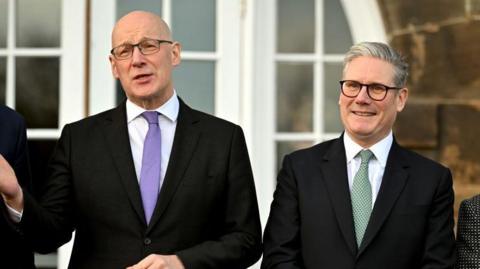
point(146, 46)
point(375, 91)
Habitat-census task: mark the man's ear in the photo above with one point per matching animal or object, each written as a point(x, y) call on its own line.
point(401, 99)
point(113, 65)
point(176, 51)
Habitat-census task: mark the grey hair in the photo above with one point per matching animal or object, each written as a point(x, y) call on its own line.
point(381, 51)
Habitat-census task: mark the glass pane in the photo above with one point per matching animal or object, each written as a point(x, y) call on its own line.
point(294, 97)
point(125, 6)
point(48, 261)
point(37, 90)
point(193, 24)
point(286, 147)
point(3, 23)
point(338, 38)
point(3, 79)
point(40, 152)
point(296, 26)
point(331, 113)
point(38, 23)
point(195, 83)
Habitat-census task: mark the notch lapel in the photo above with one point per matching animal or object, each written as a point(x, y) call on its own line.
point(334, 170)
point(185, 141)
point(393, 182)
point(116, 137)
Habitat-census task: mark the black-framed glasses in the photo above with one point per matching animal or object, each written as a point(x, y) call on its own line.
point(376, 91)
point(146, 46)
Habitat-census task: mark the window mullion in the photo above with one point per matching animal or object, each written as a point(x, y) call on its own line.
point(10, 87)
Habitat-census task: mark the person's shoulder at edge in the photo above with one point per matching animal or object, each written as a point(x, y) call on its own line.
point(6, 111)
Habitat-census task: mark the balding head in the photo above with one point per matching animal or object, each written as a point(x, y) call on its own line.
point(146, 77)
point(139, 24)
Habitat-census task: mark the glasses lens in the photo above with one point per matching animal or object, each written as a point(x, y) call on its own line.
point(149, 46)
point(351, 88)
point(377, 91)
point(123, 51)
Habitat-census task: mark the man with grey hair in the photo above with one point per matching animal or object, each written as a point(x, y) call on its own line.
point(361, 200)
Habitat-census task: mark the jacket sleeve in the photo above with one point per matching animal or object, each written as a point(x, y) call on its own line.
point(282, 233)
point(48, 222)
point(439, 238)
point(468, 234)
point(239, 244)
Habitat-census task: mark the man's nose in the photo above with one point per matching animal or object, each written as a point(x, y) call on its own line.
point(363, 95)
point(137, 56)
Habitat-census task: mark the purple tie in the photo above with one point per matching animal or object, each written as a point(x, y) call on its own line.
point(150, 172)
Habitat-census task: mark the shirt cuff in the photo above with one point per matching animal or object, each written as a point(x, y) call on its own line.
point(15, 216)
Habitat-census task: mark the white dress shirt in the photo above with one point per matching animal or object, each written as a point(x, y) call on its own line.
point(376, 166)
point(138, 128)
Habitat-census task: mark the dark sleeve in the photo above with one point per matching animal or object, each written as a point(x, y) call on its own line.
point(282, 233)
point(439, 238)
point(17, 156)
point(21, 164)
point(468, 234)
point(48, 222)
point(239, 246)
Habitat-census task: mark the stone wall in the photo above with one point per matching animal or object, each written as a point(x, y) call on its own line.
point(441, 40)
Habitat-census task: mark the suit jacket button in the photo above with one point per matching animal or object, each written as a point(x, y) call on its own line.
point(147, 241)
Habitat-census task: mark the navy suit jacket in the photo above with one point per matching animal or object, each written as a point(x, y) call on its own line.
point(206, 213)
point(311, 221)
point(13, 147)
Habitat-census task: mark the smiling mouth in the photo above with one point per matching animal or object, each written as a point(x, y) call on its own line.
point(364, 114)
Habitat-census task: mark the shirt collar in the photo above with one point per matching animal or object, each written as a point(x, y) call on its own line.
point(169, 109)
point(380, 149)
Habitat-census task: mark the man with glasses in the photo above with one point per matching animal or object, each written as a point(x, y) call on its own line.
point(151, 183)
point(363, 201)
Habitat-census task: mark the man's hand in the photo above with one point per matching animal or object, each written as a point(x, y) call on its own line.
point(155, 261)
point(9, 187)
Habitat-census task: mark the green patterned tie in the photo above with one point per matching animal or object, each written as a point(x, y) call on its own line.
point(362, 197)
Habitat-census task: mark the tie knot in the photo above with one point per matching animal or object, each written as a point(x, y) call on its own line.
point(151, 116)
point(365, 155)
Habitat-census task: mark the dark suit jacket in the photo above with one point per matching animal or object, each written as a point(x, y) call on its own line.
point(17, 251)
point(207, 210)
point(468, 234)
point(311, 223)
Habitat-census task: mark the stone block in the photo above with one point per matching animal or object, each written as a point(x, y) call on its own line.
point(416, 126)
point(459, 137)
point(441, 64)
point(419, 12)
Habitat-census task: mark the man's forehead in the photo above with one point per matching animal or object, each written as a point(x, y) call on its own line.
point(135, 34)
point(135, 27)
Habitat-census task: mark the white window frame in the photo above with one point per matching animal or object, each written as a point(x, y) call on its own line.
point(71, 53)
point(71, 78)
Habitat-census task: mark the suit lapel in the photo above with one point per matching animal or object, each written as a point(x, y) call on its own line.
point(116, 137)
point(184, 144)
point(393, 182)
point(334, 170)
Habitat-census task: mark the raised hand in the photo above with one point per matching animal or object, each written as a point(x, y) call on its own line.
point(9, 187)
